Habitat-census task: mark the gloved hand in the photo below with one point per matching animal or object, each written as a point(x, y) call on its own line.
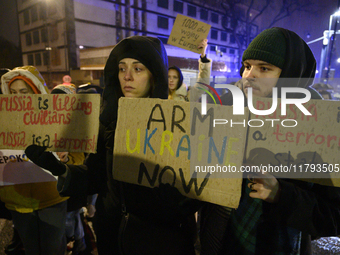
point(45, 159)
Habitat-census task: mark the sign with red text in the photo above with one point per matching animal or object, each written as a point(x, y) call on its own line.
point(60, 122)
point(187, 33)
point(170, 142)
point(297, 146)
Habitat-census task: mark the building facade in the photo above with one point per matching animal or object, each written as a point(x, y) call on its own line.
point(76, 36)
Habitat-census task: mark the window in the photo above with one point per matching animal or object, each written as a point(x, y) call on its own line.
point(30, 60)
point(163, 22)
point(28, 39)
point(231, 51)
point(37, 57)
point(43, 33)
point(34, 13)
point(232, 39)
point(36, 38)
point(178, 6)
point(204, 14)
point(225, 21)
point(163, 3)
point(42, 11)
point(223, 36)
point(212, 48)
point(214, 17)
point(224, 50)
point(192, 11)
point(45, 58)
point(26, 17)
point(52, 8)
point(214, 34)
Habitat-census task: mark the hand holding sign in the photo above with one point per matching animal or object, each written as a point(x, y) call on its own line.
point(264, 186)
point(203, 47)
point(45, 159)
point(187, 33)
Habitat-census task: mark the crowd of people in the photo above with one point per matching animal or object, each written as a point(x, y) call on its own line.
point(275, 216)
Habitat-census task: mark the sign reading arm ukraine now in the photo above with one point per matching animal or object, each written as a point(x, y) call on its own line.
point(170, 142)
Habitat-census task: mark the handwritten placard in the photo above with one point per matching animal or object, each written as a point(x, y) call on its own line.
point(168, 141)
point(60, 122)
point(187, 33)
point(296, 145)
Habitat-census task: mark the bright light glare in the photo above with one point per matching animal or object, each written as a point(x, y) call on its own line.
point(337, 13)
point(81, 47)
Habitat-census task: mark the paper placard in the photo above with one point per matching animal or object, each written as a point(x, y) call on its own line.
point(61, 122)
point(16, 168)
point(308, 151)
point(187, 33)
point(159, 141)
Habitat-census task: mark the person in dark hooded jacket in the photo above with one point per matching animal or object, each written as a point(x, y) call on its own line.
point(136, 67)
point(275, 216)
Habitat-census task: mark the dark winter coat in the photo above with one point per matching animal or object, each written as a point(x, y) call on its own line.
point(158, 207)
point(304, 209)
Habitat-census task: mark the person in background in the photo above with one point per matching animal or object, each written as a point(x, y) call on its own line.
point(89, 89)
point(38, 211)
point(74, 229)
point(91, 199)
point(130, 219)
point(15, 246)
point(177, 89)
point(275, 216)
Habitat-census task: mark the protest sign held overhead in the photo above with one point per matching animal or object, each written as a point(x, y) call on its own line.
point(187, 33)
point(168, 141)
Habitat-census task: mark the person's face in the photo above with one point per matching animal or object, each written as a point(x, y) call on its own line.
point(261, 76)
point(173, 79)
point(135, 79)
point(20, 87)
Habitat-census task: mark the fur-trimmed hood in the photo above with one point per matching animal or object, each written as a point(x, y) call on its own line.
point(29, 72)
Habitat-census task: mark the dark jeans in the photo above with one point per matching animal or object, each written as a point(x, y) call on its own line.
point(42, 231)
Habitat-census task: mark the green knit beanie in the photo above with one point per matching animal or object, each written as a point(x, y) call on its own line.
point(268, 46)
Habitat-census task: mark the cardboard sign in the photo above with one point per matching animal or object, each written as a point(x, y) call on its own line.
point(167, 141)
point(187, 33)
point(16, 168)
point(298, 146)
point(60, 122)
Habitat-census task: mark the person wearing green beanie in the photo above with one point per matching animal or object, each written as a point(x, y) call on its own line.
point(275, 216)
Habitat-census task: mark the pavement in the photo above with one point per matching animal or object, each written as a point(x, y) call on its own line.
point(322, 246)
point(6, 233)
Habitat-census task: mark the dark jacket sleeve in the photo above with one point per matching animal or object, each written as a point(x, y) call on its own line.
point(315, 210)
point(87, 179)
